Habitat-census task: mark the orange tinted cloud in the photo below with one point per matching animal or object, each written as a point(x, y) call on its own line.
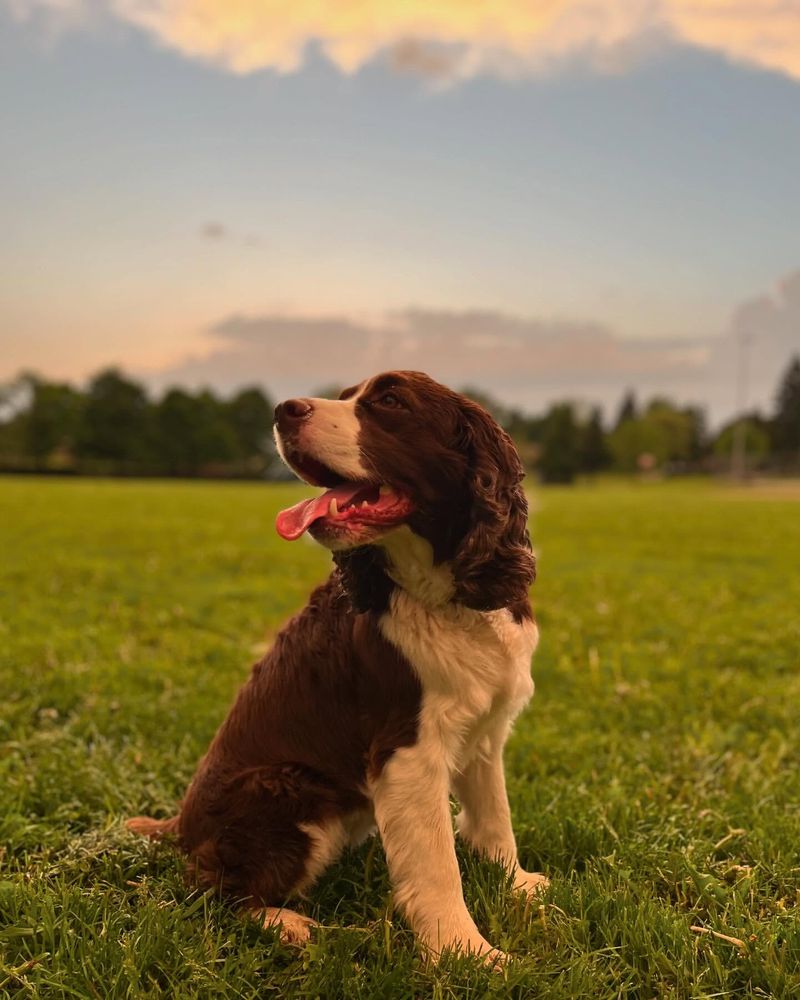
point(764, 32)
point(456, 38)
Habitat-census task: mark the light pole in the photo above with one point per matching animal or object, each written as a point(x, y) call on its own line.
point(739, 449)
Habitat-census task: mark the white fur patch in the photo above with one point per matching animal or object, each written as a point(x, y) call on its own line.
point(279, 445)
point(413, 814)
point(327, 841)
point(411, 567)
point(359, 826)
point(331, 436)
point(474, 668)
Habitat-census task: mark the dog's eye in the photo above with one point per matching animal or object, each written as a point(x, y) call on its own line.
point(390, 400)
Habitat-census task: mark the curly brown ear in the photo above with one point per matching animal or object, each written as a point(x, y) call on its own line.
point(493, 566)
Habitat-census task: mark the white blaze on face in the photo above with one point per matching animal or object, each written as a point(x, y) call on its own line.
point(279, 444)
point(330, 435)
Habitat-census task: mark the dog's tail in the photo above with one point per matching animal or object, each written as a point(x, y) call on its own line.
point(155, 829)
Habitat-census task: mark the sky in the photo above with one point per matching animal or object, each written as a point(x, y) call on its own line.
point(550, 200)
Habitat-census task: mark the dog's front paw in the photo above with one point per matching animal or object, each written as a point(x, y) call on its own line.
point(531, 883)
point(490, 956)
point(473, 944)
point(495, 959)
point(294, 928)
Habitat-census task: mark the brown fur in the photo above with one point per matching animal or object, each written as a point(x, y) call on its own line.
point(325, 708)
point(330, 703)
point(465, 475)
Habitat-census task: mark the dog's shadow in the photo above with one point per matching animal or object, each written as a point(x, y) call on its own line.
point(354, 891)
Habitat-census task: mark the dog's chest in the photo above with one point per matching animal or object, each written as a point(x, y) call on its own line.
point(474, 668)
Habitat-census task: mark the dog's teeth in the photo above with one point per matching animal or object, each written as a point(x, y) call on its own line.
point(385, 490)
point(364, 503)
point(333, 509)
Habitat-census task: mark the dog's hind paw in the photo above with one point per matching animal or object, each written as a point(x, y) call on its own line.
point(155, 829)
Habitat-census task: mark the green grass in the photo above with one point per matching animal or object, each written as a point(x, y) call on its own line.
point(654, 777)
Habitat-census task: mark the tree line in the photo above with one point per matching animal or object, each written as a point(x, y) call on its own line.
point(114, 427)
point(655, 437)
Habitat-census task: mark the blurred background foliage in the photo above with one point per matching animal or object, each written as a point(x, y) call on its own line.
point(114, 427)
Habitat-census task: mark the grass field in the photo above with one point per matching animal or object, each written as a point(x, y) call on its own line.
point(654, 777)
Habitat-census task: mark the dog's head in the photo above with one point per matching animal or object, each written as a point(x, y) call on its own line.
point(403, 457)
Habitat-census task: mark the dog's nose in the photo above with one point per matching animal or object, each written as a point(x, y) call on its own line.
point(292, 412)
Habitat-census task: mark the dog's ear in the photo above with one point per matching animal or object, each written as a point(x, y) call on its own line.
point(493, 565)
point(361, 571)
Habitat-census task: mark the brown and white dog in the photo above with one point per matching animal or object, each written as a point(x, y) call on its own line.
point(398, 682)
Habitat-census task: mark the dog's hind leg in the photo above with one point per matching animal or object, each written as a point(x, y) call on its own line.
point(155, 829)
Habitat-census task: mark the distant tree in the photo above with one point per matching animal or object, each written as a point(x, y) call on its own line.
point(488, 402)
point(11, 446)
point(174, 432)
point(756, 438)
point(626, 443)
point(192, 433)
point(698, 442)
point(786, 424)
point(52, 419)
point(628, 409)
point(520, 426)
point(216, 437)
point(115, 423)
point(15, 398)
point(671, 431)
point(525, 431)
point(663, 433)
point(559, 460)
point(593, 452)
point(250, 415)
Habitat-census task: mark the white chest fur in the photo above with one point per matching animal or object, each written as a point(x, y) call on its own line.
point(474, 668)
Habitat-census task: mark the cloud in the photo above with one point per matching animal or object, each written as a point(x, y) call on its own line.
point(527, 362)
point(213, 231)
point(437, 62)
point(218, 232)
point(452, 38)
point(763, 334)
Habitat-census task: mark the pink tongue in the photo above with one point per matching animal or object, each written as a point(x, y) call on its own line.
point(292, 522)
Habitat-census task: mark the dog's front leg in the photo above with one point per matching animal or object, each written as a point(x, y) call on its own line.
point(412, 810)
point(485, 817)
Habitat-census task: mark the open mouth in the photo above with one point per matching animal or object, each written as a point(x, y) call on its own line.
point(347, 508)
point(312, 470)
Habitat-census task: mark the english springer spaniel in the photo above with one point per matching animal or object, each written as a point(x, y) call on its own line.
point(398, 682)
